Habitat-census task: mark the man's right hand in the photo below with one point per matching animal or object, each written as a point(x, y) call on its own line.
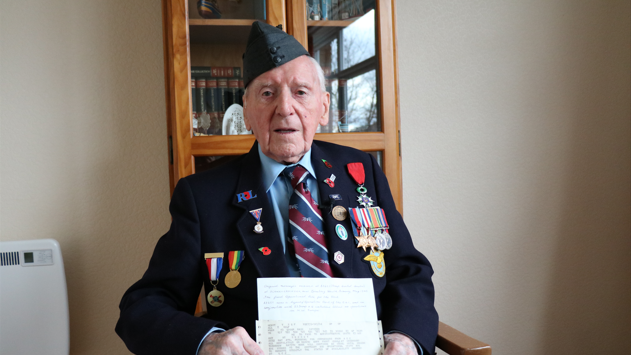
point(235, 341)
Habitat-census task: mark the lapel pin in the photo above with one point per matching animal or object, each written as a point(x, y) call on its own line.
point(341, 232)
point(245, 196)
point(336, 197)
point(265, 250)
point(339, 257)
point(327, 164)
point(330, 181)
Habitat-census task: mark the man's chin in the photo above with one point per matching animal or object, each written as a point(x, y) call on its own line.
point(287, 156)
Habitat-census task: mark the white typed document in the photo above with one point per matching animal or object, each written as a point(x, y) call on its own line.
point(318, 316)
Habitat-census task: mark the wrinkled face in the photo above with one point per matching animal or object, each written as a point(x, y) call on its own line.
point(283, 108)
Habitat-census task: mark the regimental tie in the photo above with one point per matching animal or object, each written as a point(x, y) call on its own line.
point(305, 227)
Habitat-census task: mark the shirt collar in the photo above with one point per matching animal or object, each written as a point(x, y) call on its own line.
point(272, 168)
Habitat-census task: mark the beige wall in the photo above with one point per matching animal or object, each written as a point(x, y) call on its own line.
point(515, 119)
point(516, 150)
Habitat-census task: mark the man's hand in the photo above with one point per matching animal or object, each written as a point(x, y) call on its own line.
point(399, 344)
point(235, 341)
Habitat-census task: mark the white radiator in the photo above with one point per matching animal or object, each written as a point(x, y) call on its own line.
point(33, 299)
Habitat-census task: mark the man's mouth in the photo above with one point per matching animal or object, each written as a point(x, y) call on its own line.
point(284, 130)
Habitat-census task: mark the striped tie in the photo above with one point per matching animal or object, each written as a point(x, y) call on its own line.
point(305, 227)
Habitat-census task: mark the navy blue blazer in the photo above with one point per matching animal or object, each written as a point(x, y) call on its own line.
point(156, 312)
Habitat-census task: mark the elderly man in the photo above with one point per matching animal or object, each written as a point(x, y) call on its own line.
point(290, 207)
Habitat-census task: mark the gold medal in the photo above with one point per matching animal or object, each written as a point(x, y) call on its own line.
point(339, 213)
point(215, 297)
point(233, 279)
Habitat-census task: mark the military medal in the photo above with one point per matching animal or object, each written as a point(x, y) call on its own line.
point(339, 213)
point(377, 264)
point(258, 228)
point(356, 170)
point(233, 278)
point(214, 262)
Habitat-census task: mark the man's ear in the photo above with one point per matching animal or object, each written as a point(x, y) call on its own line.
point(248, 126)
point(326, 102)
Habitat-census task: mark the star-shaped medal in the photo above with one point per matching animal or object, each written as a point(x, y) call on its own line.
point(363, 242)
point(364, 200)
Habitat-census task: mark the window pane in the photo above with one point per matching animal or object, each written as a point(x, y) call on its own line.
point(342, 40)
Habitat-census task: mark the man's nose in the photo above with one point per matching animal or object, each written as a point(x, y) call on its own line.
point(285, 104)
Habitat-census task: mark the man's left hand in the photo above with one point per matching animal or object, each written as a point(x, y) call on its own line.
point(399, 344)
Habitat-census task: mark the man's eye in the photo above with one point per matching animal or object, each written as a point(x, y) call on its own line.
point(267, 93)
point(301, 92)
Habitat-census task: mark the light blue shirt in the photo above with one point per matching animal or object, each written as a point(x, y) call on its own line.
point(279, 190)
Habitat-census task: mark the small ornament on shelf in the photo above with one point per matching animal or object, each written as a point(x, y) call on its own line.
point(208, 9)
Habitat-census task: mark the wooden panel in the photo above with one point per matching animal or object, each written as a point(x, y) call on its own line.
point(178, 87)
point(276, 13)
point(224, 55)
point(297, 21)
point(168, 84)
point(385, 40)
point(235, 145)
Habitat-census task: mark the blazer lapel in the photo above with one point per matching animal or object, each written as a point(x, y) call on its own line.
point(341, 187)
point(250, 195)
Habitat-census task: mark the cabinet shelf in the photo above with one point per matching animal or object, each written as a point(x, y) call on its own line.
point(331, 23)
point(221, 22)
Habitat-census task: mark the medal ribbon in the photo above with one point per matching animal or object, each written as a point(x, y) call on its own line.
point(382, 217)
point(366, 218)
point(235, 258)
point(375, 221)
point(214, 261)
point(355, 217)
point(356, 170)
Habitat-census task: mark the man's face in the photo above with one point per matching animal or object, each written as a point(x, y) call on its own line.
point(283, 108)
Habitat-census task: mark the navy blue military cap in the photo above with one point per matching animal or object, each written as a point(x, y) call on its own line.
point(268, 47)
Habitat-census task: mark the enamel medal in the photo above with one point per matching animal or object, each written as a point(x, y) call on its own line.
point(258, 228)
point(356, 170)
point(214, 262)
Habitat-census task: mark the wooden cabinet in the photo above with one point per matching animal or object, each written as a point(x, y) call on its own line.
point(354, 44)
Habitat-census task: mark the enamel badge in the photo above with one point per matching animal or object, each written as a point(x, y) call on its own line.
point(377, 263)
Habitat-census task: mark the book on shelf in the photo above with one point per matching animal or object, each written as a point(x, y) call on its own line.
point(203, 116)
point(233, 89)
point(213, 107)
point(216, 72)
point(194, 112)
point(222, 90)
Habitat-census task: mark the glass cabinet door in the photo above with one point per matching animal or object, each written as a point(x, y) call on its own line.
point(343, 40)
